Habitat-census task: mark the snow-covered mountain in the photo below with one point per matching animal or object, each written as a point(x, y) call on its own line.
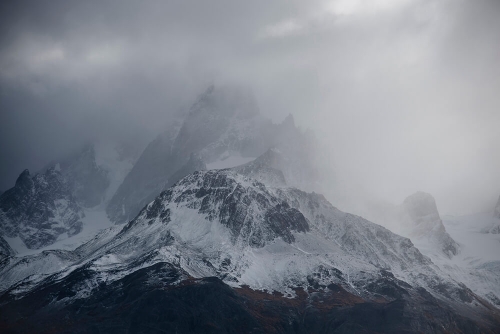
point(416, 218)
point(227, 225)
point(56, 203)
point(39, 209)
point(222, 233)
point(222, 129)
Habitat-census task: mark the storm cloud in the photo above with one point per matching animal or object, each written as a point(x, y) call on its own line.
point(403, 95)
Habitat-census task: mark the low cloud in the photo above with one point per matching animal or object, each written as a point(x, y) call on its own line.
point(402, 95)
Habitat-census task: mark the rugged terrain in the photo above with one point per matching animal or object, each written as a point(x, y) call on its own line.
point(215, 228)
point(221, 252)
point(223, 128)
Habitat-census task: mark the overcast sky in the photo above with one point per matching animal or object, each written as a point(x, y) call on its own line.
point(403, 95)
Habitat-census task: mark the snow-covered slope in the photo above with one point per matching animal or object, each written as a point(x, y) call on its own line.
point(478, 263)
point(225, 224)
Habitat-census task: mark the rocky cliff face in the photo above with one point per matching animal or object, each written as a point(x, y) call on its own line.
point(39, 209)
point(424, 224)
point(50, 205)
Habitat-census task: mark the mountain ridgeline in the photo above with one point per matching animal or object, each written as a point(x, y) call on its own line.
point(217, 229)
point(200, 257)
point(222, 123)
point(39, 209)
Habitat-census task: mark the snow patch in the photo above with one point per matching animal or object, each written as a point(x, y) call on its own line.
point(95, 221)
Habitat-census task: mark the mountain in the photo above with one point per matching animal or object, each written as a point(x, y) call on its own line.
point(146, 179)
point(266, 169)
point(425, 225)
point(222, 129)
point(39, 209)
point(86, 180)
point(216, 227)
point(416, 218)
point(51, 206)
point(220, 251)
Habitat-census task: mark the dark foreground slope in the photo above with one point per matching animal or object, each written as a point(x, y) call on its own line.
point(164, 299)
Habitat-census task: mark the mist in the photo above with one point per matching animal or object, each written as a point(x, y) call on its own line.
point(401, 95)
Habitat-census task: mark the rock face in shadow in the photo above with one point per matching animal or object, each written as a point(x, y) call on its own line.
point(40, 208)
point(425, 224)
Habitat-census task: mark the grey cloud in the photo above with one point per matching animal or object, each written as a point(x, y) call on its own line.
point(402, 98)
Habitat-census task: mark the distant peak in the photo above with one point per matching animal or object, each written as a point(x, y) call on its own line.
point(25, 175)
point(421, 204)
point(419, 196)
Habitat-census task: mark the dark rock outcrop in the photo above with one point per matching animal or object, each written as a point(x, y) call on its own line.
point(40, 208)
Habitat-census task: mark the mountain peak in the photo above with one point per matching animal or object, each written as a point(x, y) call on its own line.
point(425, 223)
point(23, 177)
point(420, 205)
